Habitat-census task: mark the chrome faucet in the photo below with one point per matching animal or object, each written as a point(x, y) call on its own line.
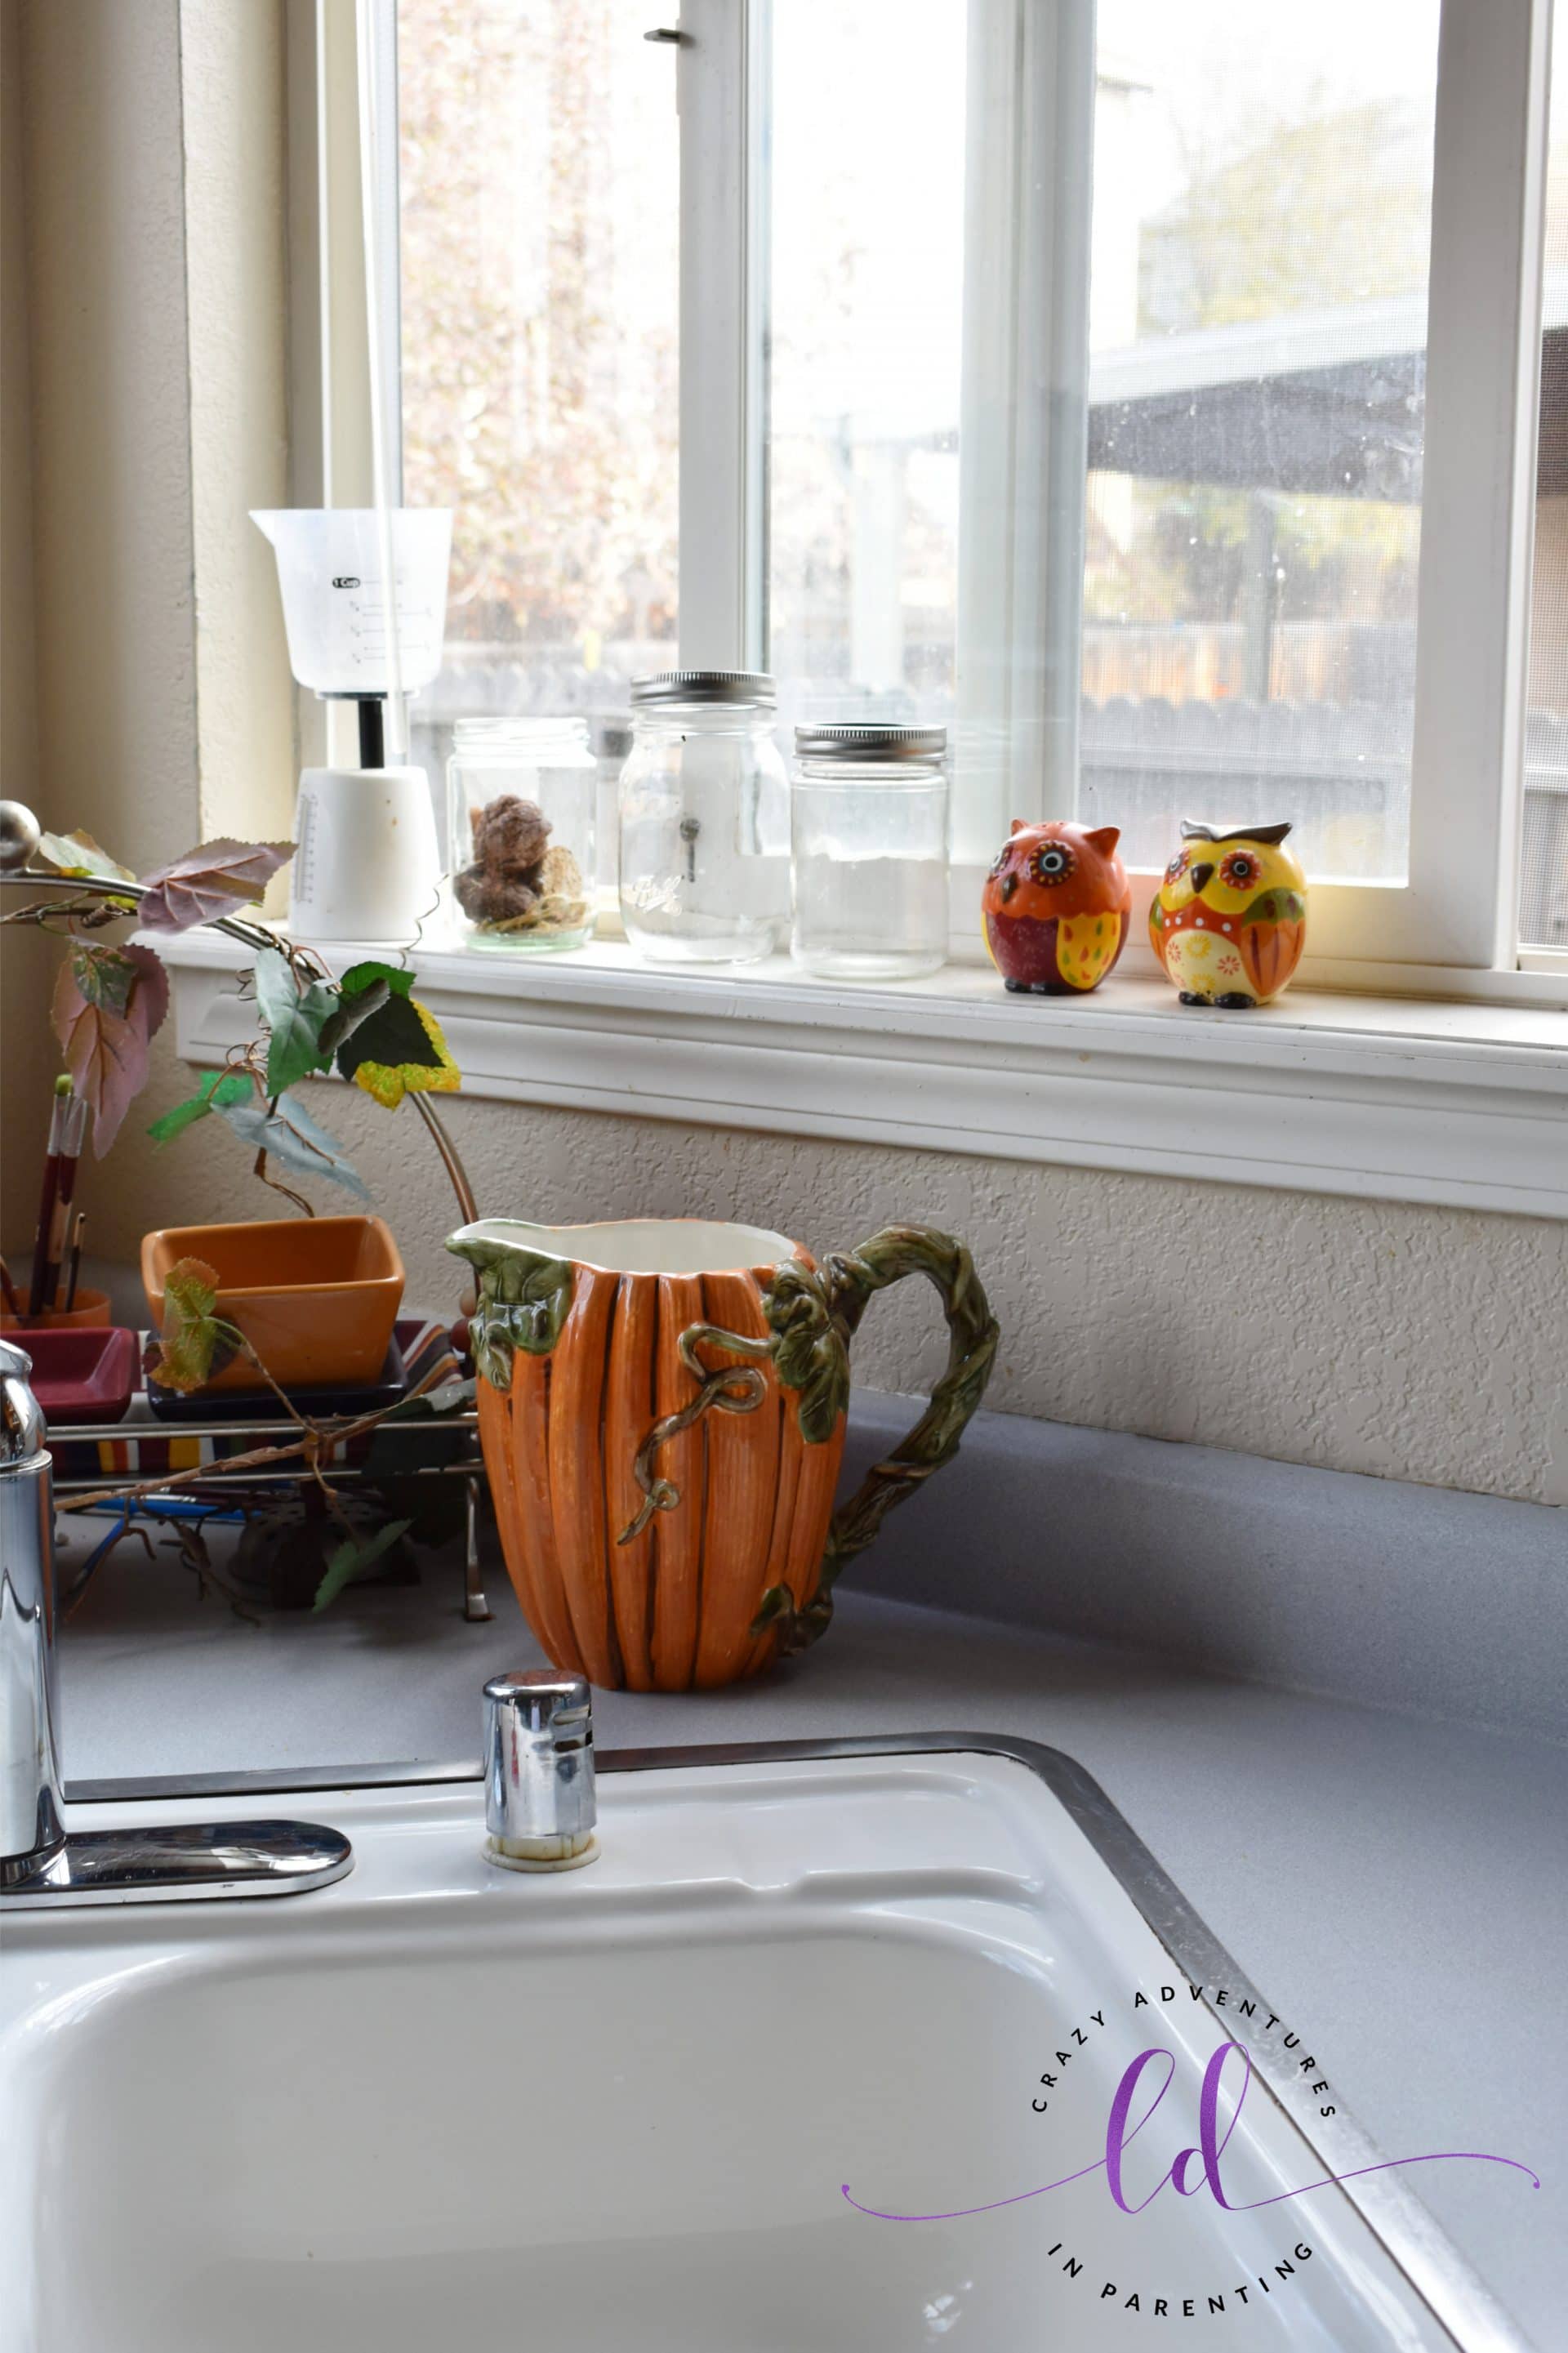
point(540, 1804)
point(30, 1823)
point(41, 1865)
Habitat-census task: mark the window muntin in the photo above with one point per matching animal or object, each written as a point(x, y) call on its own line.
point(865, 343)
point(1544, 858)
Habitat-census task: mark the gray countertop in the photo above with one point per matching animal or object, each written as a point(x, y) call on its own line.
point(1397, 1886)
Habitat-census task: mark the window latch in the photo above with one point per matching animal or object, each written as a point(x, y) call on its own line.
point(669, 33)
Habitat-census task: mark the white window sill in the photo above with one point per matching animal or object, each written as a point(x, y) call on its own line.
point(1378, 1097)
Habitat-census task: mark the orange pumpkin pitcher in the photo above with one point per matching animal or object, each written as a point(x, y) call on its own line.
point(661, 1406)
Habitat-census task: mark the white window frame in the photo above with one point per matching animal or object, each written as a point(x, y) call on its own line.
point(1351, 1086)
point(1031, 83)
point(1450, 932)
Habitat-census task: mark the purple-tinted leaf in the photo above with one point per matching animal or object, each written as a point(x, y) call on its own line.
point(105, 1017)
point(212, 880)
point(104, 978)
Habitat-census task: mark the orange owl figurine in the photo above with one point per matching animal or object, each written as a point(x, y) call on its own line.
point(1057, 905)
point(1229, 919)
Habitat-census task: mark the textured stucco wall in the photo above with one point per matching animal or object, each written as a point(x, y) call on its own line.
point(232, 112)
point(144, 411)
point(101, 306)
point(1410, 1343)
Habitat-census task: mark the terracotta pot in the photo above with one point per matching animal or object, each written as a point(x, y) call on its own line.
point(90, 1310)
point(661, 1407)
point(316, 1297)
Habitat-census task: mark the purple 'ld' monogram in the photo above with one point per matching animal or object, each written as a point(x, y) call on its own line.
point(1192, 2168)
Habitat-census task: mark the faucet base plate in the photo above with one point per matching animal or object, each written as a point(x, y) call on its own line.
point(175, 1863)
point(571, 1853)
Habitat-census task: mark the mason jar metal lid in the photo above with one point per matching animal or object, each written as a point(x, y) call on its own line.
point(868, 740)
point(719, 686)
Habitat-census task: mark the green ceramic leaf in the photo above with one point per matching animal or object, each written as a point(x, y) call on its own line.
point(810, 1353)
point(296, 1018)
point(353, 1559)
point(523, 1298)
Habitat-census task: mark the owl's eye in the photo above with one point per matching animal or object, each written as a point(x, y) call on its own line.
point(1240, 870)
point(1176, 867)
point(1000, 865)
point(1051, 863)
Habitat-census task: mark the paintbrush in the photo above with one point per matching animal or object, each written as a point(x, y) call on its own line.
point(13, 1297)
point(73, 1267)
point(68, 1129)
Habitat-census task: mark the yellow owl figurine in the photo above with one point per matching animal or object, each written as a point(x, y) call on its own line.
point(1229, 918)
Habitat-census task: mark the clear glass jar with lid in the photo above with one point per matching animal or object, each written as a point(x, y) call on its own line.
point(522, 796)
point(869, 833)
point(704, 807)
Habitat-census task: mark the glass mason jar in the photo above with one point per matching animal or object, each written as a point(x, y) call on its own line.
point(704, 801)
point(869, 834)
point(522, 796)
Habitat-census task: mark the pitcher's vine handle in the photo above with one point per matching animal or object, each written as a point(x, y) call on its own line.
point(851, 1281)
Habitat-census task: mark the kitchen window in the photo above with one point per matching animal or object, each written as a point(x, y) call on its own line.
point(1147, 395)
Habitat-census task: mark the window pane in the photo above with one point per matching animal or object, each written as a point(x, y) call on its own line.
point(1262, 215)
point(1544, 877)
point(540, 199)
point(866, 334)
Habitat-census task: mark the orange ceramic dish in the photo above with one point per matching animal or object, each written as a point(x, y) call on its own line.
point(92, 1311)
point(316, 1297)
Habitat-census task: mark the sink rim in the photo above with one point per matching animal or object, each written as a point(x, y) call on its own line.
point(1432, 2265)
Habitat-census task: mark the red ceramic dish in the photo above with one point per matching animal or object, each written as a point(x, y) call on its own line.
point(82, 1374)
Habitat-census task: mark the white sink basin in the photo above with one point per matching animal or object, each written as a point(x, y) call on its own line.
point(439, 2105)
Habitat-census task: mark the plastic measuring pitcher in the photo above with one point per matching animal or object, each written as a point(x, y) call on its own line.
point(334, 611)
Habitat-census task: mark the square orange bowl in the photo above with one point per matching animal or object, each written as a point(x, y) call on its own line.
point(316, 1297)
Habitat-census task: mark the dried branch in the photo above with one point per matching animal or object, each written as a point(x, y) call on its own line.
point(323, 1436)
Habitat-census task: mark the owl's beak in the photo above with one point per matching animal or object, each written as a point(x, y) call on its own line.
point(1198, 875)
point(1009, 884)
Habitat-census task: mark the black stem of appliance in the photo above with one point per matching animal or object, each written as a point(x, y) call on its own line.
point(372, 732)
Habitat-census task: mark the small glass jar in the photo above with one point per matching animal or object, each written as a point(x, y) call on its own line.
point(522, 796)
point(704, 805)
point(869, 808)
